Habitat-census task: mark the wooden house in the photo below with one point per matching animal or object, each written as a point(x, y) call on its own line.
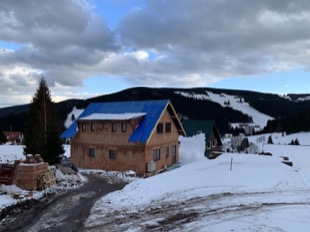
point(14, 137)
point(142, 136)
point(212, 137)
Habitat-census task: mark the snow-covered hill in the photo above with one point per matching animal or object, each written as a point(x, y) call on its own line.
point(235, 192)
point(234, 102)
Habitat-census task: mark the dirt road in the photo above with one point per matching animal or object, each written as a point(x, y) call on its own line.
point(65, 212)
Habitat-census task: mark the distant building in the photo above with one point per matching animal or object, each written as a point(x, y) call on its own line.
point(14, 137)
point(248, 128)
point(142, 136)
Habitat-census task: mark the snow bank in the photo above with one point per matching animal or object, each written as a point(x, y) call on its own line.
point(192, 149)
point(204, 177)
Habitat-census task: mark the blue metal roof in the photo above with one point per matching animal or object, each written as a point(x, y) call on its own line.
point(141, 134)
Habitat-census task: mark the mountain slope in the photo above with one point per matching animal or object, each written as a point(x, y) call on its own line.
point(206, 105)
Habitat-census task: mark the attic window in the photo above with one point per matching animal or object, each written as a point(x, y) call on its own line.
point(168, 127)
point(83, 126)
point(160, 128)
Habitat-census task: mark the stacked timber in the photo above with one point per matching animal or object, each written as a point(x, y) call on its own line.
point(29, 171)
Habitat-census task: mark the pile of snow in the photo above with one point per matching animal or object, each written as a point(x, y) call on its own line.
point(192, 148)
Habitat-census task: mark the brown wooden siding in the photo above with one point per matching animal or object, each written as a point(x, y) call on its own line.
point(129, 156)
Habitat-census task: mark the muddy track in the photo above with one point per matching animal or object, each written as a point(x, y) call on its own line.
point(65, 211)
point(174, 216)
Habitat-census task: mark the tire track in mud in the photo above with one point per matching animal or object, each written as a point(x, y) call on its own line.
point(174, 216)
point(66, 211)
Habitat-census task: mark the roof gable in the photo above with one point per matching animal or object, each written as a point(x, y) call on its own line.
point(193, 127)
point(151, 111)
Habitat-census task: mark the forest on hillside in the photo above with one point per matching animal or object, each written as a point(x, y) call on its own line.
point(290, 112)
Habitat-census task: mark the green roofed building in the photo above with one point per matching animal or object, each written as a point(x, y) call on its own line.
point(213, 139)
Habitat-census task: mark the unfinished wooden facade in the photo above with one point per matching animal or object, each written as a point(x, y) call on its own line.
point(105, 142)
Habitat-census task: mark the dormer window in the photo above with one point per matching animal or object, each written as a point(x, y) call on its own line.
point(83, 126)
point(124, 127)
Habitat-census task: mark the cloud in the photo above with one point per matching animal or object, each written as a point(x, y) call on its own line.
point(60, 40)
point(222, 38)
point(160, 43)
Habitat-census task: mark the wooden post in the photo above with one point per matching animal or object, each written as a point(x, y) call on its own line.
point(231, 161)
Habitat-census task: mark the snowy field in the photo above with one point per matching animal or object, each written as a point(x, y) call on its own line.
point(235, 192)
point(256, 193)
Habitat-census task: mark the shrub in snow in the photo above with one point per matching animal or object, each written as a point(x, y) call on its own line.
point(244, 145)
point(236, 141)
point(294, 142)
point(270, 140)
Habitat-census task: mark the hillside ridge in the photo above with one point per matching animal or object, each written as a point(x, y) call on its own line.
point(272, 105)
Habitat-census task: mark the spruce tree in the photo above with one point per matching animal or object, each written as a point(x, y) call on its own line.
point(42, 133)
point(2, 137)
point(270, 140)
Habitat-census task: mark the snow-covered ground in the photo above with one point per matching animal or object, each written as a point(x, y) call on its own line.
point(235, 192)
point(259, 118)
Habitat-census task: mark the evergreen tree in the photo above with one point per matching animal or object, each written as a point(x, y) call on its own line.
point(42, 134)
point(296, 142)
point(2, 137)
point(270, 140)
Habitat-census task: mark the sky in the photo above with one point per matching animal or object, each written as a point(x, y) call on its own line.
point(85, 48)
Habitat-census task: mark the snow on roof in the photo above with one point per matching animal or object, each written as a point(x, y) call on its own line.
point(109, 116)
point(152, 111)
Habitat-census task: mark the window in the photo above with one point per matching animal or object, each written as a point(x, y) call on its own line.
point(113, 127)
point(168, 127)
point(112, 154)
point(174, 154)
point(156, 154)
point(209, 145)
point(124, 127)
point(167, 151)
point(213, 143)
point(92, 127)
point(160, 128)
point(173, 150)
point(83, 126)
point(92, 152)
